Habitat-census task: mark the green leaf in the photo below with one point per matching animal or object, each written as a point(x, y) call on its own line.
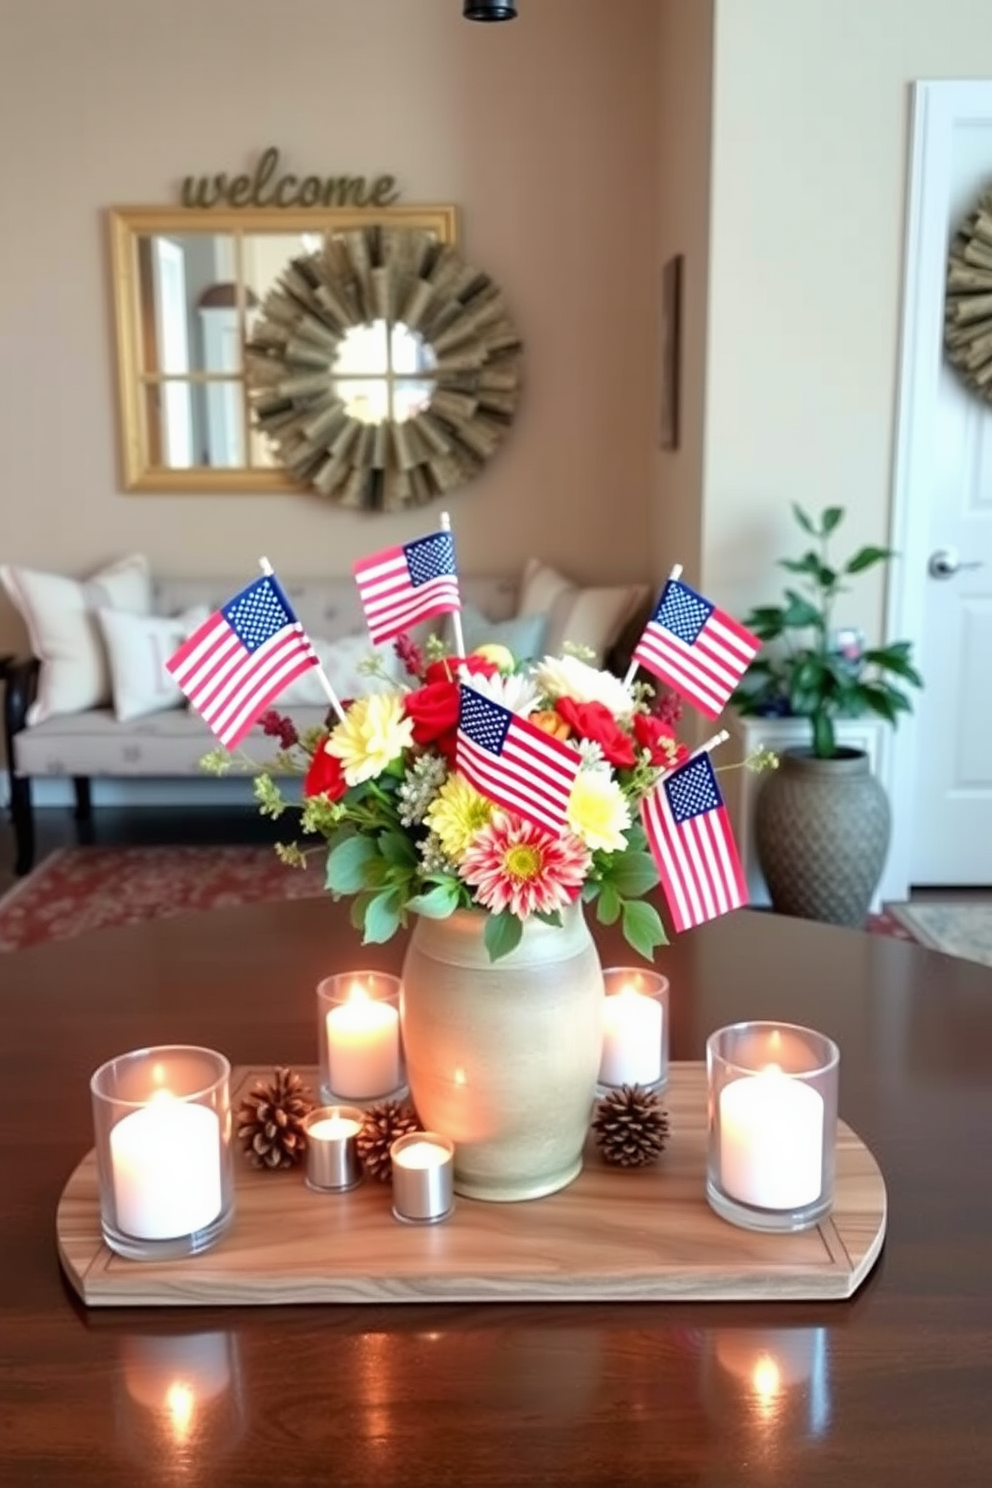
point(894, 659)
point(831, 518)
point(800, 613)
point(608, 905)
point(805, 522)
point(437, 904)
point(382, 918)
point(502, 934)
point(642, 928)
point(549, 917)
point(348, 865)
point(631, 873)
point(867, 558)
point(397, 848)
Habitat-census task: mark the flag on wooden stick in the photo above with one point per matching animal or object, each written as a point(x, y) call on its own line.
point(240, 659)
point(696, 648)
point(692, 842)
point(402, 585)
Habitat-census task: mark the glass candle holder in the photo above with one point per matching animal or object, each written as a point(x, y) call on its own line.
point(332, 1147)
point(162, 1124)
point(423, 1171)
point(358, 1037)
point(635, 1029)
point(772, 1102)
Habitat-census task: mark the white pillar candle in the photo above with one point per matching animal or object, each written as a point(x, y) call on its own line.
point(166, 1165)
point(363, 1046)
point(421, 1155)
point(632, 1029)
point(333, 1129)
point(771, 1141)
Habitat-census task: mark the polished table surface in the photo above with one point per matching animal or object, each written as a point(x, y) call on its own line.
point(891, 1387)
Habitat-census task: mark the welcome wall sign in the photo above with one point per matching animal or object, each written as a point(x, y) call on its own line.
point(266, 188)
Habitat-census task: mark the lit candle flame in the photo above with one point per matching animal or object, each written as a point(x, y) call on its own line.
point(180, 1402)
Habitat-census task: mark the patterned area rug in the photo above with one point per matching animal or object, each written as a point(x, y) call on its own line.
point(957, 927)
point(98, 888)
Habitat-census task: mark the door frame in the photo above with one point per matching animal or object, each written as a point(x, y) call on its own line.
point(936, 107)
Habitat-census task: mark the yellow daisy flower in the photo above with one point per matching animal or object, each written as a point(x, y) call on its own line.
point(373, 734)
point(598, 812)
point(457, 814)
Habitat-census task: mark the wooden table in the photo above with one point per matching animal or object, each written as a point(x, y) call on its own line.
point(891, 1388)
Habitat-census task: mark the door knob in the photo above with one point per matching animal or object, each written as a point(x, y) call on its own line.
point(945, 563)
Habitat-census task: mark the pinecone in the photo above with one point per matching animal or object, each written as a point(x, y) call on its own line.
point(270, 1120)
point(630, 1126)
point(383, 1123)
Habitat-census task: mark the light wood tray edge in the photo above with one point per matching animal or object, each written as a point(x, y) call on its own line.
point(611, 1236)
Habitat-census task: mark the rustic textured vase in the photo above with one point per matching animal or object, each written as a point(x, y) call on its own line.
point(502, 1056)
point(822, 831)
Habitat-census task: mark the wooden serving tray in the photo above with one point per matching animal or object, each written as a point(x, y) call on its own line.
point(612, 1235)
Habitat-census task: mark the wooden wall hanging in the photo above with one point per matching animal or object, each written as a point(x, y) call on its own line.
point(403, 277)
point(968, 308)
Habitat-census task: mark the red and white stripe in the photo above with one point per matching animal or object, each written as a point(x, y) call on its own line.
point(701, 872)
point(533, 775)
point(231, 686)
point(705, 671)
point(392, 602)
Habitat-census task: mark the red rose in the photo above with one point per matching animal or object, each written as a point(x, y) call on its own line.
point(325, 776)
point(595, 721)
point(434, 712)
point(654, 734)
point(447, 670)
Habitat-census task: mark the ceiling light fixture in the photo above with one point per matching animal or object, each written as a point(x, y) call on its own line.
point(489, 10)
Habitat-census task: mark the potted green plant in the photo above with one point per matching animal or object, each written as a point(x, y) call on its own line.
point(822, 820)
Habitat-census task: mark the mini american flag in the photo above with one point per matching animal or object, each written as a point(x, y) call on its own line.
point(400, 586)
point(693, 846)
point(694, 647)
point(234, 665)
point(513, 762)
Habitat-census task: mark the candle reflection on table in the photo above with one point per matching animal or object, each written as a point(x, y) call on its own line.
point(782, 1374)
point(178, 1392)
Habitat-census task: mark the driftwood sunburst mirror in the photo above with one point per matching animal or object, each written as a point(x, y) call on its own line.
point(383, 369)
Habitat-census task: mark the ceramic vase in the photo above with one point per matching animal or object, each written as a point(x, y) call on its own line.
point(502, 1057)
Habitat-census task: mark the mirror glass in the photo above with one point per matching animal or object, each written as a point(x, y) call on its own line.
point(189, 288)
point(379, 373)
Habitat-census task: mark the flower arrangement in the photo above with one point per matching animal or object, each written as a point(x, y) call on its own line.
point(407, 833)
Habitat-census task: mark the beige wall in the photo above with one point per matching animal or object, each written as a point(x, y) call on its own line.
point(685, 76)
point(543, 132)
point(809, 174)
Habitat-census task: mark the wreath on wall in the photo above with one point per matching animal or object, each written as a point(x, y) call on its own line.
point(470, 366)
point(968, 307)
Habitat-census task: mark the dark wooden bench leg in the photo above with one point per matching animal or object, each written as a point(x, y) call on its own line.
point(84, 810)
point(84, 802)
point(22, 820)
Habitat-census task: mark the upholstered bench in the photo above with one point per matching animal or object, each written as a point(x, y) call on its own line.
point(93, 700)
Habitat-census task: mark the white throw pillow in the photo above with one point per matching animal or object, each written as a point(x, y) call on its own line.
point(60, 615)
point(138, 646)
point(340, 660)
point(585, 617)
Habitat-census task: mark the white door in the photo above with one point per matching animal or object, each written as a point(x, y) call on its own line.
point(942, 525)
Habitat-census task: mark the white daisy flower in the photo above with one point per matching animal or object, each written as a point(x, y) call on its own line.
point(517, 691)
point(567, 676)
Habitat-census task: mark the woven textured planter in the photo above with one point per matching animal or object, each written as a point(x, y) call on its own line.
point(822, 832)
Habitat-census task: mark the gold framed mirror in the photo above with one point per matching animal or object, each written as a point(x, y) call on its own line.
point(190, 286)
